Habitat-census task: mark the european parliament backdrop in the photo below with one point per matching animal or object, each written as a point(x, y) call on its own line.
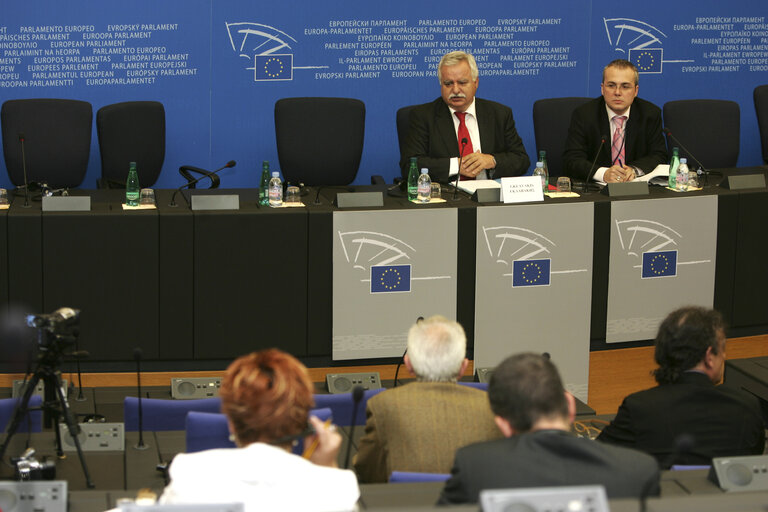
point(218, 66)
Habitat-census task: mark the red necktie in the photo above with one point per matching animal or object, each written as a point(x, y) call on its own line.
point(617, 148)
point(464, 134)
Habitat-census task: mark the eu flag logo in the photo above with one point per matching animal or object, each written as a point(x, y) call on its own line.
point(647, 60)
point(274, 67)
point(659, 264)
point(390, 278)
point(530, 272)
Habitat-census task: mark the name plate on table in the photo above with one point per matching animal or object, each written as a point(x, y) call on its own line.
point(743, 181)
point(522, 189)
point(216, 202)
point(626, 189)
point(359, 199)
point(66, 203)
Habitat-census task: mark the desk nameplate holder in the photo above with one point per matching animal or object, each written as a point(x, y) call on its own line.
point(743, 181)
point(360, 199)
point(66, 203)
point(217, 202)
point(626, 189)
point(95, 437)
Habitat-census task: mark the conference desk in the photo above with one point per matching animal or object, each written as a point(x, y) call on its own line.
point(193, 289)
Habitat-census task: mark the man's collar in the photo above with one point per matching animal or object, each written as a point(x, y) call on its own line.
point(470, 109)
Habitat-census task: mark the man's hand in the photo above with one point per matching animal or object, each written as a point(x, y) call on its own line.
point(616, 174)
point(475, 163)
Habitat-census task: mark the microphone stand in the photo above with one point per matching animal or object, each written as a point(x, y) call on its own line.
point(458, 174)
point(24, 169)
point(137, 356)
point(173, 204)
point(592, 169)
point(704, 170)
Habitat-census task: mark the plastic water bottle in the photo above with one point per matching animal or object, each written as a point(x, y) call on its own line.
point(413, 179)
point(264, 184)
point(541, 173)
point(674, 163)
point(543, 160)
point(132, 187)
point(424, 189)
point(275, 190)
point(682, 175)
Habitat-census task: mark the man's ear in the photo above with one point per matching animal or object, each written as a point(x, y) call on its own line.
point(407, 361)
point(463, 369)
point(571, 406)
point(504, 426)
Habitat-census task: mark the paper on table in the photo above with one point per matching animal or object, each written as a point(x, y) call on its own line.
point(470, 186)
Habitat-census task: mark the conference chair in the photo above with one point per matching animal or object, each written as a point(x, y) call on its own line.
point(403, 120)
point(207, 430)
point(131, 131)
point(709, 129)
point(161, 414)
point(551, 119)
point(483, 386)
point(319, 140)
point(341, 405)
point(761, 108)
point(399, 477)
point(32, 422)
point(57, 140)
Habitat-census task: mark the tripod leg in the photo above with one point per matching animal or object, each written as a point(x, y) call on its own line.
point(55, 381)
point(22, 407)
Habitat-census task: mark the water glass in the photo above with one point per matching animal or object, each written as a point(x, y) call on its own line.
point(3, 196)
point(436, 191)
point(563, 184)
point(293, 195)
point(147, 196)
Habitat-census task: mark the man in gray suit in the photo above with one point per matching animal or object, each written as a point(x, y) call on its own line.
point(535, 413)
point(419, 426)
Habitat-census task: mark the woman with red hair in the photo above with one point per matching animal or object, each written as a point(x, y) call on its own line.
point(266, 397)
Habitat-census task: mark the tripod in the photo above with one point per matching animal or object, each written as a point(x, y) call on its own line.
point(55, 404)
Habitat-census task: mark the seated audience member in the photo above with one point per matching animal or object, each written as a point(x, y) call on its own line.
point(266, 396)
point(419, 426)
point(535, 413)
point(715, 421)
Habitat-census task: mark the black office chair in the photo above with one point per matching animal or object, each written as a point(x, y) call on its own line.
point(551, 119)
point(402, 120)
point(761, 108)
point(319, 140)
point(132, 131)
point(57, 140)
point(709, 129)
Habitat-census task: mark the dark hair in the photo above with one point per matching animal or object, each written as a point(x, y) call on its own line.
point(623, 64)
point(267, 396)
point(525, 388)
point(683, 339)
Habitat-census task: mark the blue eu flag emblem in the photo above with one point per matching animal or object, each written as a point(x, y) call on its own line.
point(390, 278)
point(659, 264)
point(647, 60)
point(530, 272)
point(274, 67)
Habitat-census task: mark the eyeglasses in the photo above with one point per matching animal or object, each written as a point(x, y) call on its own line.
point(625, 87)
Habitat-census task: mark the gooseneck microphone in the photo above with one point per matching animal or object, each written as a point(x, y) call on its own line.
point(357, 397)
point(592, 169)
point(229, 164)
point(137, 354)
point(682, 444)
point(24, 169)
point(464, 142)
point(705, 171)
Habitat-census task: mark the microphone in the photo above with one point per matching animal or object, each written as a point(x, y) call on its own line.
point(357, 396)
point(464, 142)
point(24, 169)
point(682, 444)
point(592, 169)
point(137, 354)
point(229, 164)
point(402, 358)
point(669, 133)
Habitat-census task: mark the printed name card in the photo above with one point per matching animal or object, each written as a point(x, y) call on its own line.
point(521, 189)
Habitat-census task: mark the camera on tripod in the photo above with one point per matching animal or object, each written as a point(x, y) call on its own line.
point(56, 329)
point(27, 467)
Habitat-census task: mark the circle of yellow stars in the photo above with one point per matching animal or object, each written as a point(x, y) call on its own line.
point(644, 65)
point(536, 270)
point(274, 72)
point(388, 276)
point(655, 267)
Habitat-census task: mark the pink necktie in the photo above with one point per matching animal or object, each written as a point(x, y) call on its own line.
point(617, 148)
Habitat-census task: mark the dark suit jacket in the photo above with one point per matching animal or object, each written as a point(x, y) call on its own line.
point(432, 138)
point(644, 142)
point(419, 427)
point(722, 421)
point(549, 458)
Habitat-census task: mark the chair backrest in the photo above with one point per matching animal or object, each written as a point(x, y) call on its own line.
point(399, 477)
point(761, 108)
point(164, 414)
point(551, 119)
point(483, 386)
point(57, 140)
point(32, 422)
point(342, 404)
point(403, 119)
point(131, 131)
point(319, 140)
point(707, 128)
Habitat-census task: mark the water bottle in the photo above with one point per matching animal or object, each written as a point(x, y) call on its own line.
point(264, 184)
point(541, 173)
point(132, 187)
point(413, 179)
point(424, 189)
point(543, 160)
point(275, 190)
point(682, 175)
point(674, 163)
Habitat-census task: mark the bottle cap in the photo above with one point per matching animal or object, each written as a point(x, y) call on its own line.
point(275, 174)
point(424, 171)
point(683, 161)
point(540, 164)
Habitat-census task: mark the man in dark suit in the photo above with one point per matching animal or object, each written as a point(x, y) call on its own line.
point(459, 127)
point(630, 127)
point(688, 419)
point(534, 413)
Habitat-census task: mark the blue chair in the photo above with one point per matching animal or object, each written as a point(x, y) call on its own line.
point(399, 477)
point(8, 406)
point(341, 404)
point(164, 414)
point(689, 467)
point(477, 385)
point(206, 431)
